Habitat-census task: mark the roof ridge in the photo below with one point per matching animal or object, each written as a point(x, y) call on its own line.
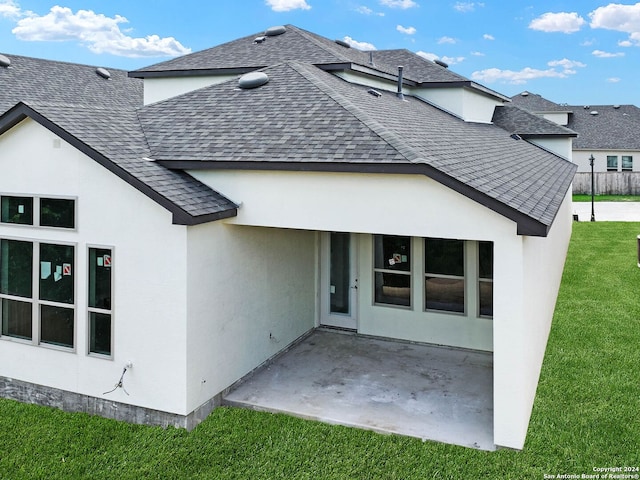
point(309, 36)
point(385, 134)
point(63, 62)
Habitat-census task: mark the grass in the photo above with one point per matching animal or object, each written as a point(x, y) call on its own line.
point(607, 198)
point(586, 414)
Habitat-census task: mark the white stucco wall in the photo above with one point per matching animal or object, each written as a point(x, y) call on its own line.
point(251, 292)
point(157, 89)
point(561, 118)
point(149, 307)
point(581, 158)
point(468, 104)
point(520, 340)
point(559, 146)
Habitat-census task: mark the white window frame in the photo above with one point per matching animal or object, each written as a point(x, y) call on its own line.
point(395, 272)
point(622, 163)
point(36, 211)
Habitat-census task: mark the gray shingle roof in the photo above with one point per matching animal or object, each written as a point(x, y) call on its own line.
point(304, 115)
point(297, 44)
point(536, 103)
point(527, 124)
point(99, 117)
point(611, 129)
point(36, 80)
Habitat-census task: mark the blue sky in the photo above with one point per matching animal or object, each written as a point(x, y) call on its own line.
point(576, 52)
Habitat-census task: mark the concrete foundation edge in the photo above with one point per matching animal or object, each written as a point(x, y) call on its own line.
point(75, 402)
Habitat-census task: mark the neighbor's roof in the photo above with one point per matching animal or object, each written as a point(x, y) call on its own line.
point(38, 80)
point(536, 103)
point(527, 124)
point(296, 44)
point(606, 127)
point(307, 119)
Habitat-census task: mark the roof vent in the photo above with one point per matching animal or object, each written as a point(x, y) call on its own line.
point(616, 107)
point(441, 63)
point(4, 61)
point(373, 92)
point(371, 64)
point(515, 136)
point(524, 94)
point(342, 43)
point(275, 31)
point(259, 39)
point(103, 72)
point(586, 107)
point(400, 95)
point(594, 112)
point(252, 80)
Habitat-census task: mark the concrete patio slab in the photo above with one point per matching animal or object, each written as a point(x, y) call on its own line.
point(429, 392)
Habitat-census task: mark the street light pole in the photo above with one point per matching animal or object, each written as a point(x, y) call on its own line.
point(593, 215)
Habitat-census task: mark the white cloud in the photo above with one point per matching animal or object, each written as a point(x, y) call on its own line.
point(450, 40)
point(486, 36)
point(465, 7)
point(559, 69)
point(477, 54)
point(602, 54)
point(452, 60)
point(621, 18)
point(287, 5)
point(10, 9)
point(558, 22)
point(588, 42)
point(367, 11)
point(101, 34)
point(359, 45)
point(613, 80)
point(625, 43)
point(428, 55)
point(407, 30)
point(403, 4)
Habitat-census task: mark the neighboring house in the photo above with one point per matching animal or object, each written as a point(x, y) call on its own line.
point(611, 133)
point(196, 234)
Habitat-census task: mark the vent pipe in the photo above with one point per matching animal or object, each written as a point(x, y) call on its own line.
point(400, 95)
point(371, 64)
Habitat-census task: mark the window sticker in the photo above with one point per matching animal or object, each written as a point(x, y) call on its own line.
point(66, 269)
point(45, 270)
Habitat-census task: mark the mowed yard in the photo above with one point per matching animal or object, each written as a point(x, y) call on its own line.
point(586, 414)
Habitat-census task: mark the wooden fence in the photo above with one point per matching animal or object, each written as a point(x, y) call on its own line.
point(607, 183)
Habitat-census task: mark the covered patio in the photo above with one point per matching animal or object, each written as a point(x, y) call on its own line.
point(424, 391)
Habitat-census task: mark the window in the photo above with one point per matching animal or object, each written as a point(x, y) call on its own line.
point(100, 291)
point(392, 270)
point(50, 298)
point(57, 212)
point(16, 288)
point(16, 210)
point(444, 275)
point(38, 211)
point(485, 278)
point(627, 163)
point(612, 163)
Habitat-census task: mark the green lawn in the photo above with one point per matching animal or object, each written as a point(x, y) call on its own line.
point(607, 198)
point(586, 415)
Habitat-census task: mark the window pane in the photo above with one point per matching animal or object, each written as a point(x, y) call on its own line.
point(340, 277)
point(486, 299)
point(16, 266)
point(56, 273)
point(100, 278)
point(100, 327)
point(445, 257)
point(445, 294)
point(16, 210)
point(485, 252)
point(392, 253)
point(612, 162)
point(393, 289)
point(16, 319)
point(627, 162)
point(56, 325)
point(57, 212)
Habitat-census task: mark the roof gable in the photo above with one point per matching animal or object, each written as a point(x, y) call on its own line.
point(527, 124)
point(305, 118)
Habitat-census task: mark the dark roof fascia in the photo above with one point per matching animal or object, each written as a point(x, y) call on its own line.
point(194, 72)
point(525, 224)
point(21, 111)
point(465, 84)
point(368, 71)
point(548, 135)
